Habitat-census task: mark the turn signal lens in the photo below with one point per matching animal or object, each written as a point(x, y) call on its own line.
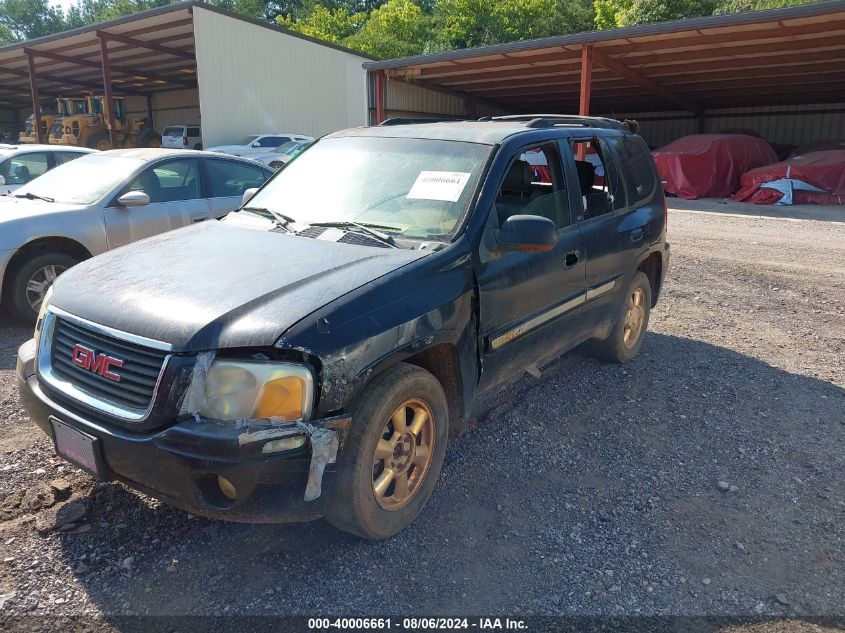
point(282, 398)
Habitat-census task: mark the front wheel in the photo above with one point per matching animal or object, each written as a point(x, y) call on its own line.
point(31, 280)
point(393, 455)
point(631, 324)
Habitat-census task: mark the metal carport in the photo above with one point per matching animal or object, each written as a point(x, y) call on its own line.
point(686, 70)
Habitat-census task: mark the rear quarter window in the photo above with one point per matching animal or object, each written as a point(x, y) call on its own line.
point(637, 168)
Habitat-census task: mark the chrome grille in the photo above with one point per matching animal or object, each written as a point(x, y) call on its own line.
point(138, 375)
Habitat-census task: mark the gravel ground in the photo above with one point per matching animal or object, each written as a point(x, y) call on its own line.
point(705, 478)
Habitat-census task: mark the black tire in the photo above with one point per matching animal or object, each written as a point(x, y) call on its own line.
point(614, 348)
point(198, 146)
point(353, 506)
point(148, 137)
point(96, 139)
point(19, 304)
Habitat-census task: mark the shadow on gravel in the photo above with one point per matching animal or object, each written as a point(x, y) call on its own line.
point(12, 336)
point(594, 490)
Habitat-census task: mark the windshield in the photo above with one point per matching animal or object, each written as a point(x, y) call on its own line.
point(84, 180)
point(416, 188)
point(247, 140)
point(284, 148)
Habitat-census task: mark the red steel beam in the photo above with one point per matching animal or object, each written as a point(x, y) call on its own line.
point(169, 50)
point(36, 103)
point(586, 86)
point(380, 90)
point(108, 106)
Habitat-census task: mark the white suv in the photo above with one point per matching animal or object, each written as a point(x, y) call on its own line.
point(182, 137)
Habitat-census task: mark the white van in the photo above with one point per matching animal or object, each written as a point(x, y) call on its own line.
point(182, 137)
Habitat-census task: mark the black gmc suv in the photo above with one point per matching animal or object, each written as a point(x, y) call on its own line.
point(310, 354)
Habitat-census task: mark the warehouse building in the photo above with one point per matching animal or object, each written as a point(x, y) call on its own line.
point(191, 63)
point(779, 73)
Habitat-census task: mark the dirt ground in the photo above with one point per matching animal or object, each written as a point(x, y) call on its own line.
point(705, 478)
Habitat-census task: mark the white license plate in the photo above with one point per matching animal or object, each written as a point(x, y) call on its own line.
point(78, 448)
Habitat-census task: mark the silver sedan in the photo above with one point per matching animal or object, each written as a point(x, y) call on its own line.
point(105, 200)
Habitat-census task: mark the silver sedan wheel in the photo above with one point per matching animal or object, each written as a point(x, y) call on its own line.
point(40, 282)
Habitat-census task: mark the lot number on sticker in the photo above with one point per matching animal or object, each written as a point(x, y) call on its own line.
point(439, 185)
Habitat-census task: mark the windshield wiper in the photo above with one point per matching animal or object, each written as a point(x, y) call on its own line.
point(369, 229)
point(281, 219)
point(33, 196)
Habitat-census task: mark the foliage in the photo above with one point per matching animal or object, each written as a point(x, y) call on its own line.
point(25, 19)
point(394, 28)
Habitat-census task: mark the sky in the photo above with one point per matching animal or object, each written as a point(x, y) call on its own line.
point(64, 4)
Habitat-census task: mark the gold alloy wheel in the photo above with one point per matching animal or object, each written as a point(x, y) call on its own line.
point(403, 454)
point(634, 318)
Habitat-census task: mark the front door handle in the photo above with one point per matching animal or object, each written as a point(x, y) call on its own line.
point(199, 218)
point(637, 234)
point(572, 258)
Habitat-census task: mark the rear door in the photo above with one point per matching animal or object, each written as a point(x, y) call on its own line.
point(175, 190)
point(614, 219)
point(530, 303)
point(226, 181)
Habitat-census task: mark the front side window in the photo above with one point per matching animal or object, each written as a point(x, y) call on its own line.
point(534, 185)
point(20, 169)
point(170, 181)
point(228, 178)
point(247, 140)
point(414, 188)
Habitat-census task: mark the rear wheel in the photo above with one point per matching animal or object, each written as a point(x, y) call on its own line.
point(31, 280)
point(393, 455)
point(628, 332)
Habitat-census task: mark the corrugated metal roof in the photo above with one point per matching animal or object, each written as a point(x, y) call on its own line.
point(792, 55)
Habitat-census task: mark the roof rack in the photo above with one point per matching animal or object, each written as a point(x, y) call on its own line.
point(403, 121)
point(552, 120)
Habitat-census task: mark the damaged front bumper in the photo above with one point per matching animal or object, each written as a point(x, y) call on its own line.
point(183, 464)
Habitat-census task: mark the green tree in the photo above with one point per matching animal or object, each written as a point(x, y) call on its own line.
point(25, 19)
point(466, 23)
point(331, 25)
point(396, 29)
point(618, 13)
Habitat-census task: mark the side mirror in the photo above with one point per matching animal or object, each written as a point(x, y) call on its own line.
point(248, 195)
point(527, 233)
point(256, 144)
point(133, 199)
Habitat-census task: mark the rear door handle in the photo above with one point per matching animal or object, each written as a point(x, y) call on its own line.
point(637, 234)
point(572, 258)
point(199, 218)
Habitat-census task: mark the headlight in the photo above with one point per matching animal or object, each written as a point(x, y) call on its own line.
point(243, 390)
point(39, 322)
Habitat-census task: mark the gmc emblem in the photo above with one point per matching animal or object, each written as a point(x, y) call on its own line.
point(101, 364)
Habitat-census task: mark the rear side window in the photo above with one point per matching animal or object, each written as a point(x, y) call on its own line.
point(636, 167)
point(228, 179)
point(273, 141)
point(193, 131)
point(602, 190)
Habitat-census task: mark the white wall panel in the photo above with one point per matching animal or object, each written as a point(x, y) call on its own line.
point(257, 80)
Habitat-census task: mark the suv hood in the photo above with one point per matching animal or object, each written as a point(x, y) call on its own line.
point(215, 286)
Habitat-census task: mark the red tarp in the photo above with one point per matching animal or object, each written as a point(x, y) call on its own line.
point(710, 165)
point(824, 170)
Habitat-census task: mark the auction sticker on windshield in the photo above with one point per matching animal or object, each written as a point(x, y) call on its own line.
point(439, 185)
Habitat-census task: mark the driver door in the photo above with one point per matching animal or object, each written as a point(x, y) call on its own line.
point(530, 303)
point(176, 200)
